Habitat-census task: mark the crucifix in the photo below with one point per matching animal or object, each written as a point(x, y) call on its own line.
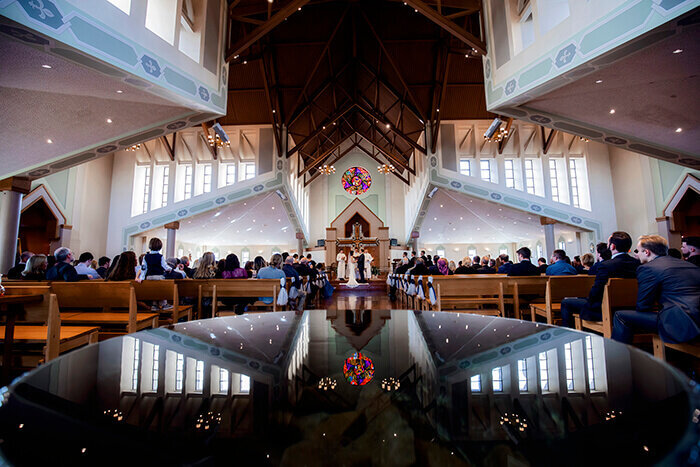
point(356, 241)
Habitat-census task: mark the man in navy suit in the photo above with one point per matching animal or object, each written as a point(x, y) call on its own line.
point(620, 265)
point(672, 283)
point(525, 266)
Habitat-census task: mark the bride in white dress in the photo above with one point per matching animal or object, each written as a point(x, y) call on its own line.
point(352, 271)
point(340, 258)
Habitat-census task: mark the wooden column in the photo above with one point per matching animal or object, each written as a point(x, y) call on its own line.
point(171, 230)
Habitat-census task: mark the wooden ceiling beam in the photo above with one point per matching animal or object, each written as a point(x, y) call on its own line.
point(388, 155)
point(449, 26)
point(391, 62)
point(319, 129)
point(319, 61)
point(547, 141)
point(323, 156)
point(294, 115)
point(270, 109)
point(259, 32)
point(377, 115)
point(443, 87)
point(395, 93)
point(331, 162)
point(168, 148)
point(399, 176)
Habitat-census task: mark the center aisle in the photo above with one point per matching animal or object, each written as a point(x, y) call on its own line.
point(357, 299)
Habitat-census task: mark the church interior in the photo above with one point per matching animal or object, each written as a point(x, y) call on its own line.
point(315, 232)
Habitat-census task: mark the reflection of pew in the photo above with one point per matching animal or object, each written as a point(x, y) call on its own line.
point(618, 294)
point(107, 296)
point(41, 325)
point(559, 288)
point(148, 291)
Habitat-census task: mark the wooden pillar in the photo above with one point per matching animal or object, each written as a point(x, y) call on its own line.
point(171, 231)
point(331, 250)
point(384, 250)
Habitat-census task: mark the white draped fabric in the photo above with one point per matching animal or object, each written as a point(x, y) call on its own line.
point(352, 266)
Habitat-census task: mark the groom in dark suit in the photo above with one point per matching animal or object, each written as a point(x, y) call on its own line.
point(361, 265)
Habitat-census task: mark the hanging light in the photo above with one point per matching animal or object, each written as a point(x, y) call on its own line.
point(385, 169)
point(327, 383)
point(327, 169)
point(585, 140)
point(390, 384)
point(134, 147)
point(498, 136)
point(216, 141)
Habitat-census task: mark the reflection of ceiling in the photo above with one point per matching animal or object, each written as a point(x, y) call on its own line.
point(457, 218)
point(67, 103)
point(261, 220)
point(653, 92)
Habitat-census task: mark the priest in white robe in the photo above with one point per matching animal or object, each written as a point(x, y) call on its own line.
point(341, 259)
point(368, 265)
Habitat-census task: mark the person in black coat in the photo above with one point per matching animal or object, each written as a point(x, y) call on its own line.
point(670, 282)
point(621, 265)
point(63, 270)
point(16, 271)
point(690, 249)
point(525, 266)
point(419, 269)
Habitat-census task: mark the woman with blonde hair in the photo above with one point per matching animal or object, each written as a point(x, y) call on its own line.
point(466, 267)
point(35, 270)
point(452, 267)
point(207, 267)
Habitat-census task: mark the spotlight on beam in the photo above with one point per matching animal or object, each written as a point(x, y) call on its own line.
point(493, 128)
point(432, 192)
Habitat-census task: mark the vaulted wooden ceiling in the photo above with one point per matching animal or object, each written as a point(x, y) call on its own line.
point(378, 71)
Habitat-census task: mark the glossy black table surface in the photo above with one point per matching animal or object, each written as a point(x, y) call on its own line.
point(352, 388)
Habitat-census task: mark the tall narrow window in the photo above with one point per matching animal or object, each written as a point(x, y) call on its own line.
point(223, 380)
point(179, 371)
point(135, 366)
point(230, 174)
point(155, 368)
point(573, 176)
point(497, 379)
point(245, 384)
point(471, 252)
point(147, 190)
point(123, 5)
point(199, 376)
point(510, 173)
point(522, 375)
point(544, 372)
point(540, 252)
point(166, 185)
point(485, 169)
point(249, 171)
point(245, 256)
point(569, 360)
point(188, 182)
point(465, 167)
point(475, 383)
point(529, 176)
point(589, 363)
point(161, 16)
point(206, 181)
point(554, 179)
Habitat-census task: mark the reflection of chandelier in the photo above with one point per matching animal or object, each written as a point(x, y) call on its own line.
point(385, 169)
point(134, 147)
point(358, 369)
point(585, 140)
point(327, 383)
point(516, 421)
point(215, 140)
point(612, 414)
point(327, 169)
point(390, 384)
point(207, 421)
point(115, 414)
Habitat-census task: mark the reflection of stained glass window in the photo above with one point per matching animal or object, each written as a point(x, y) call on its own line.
point(356, 180)
point(358, 369)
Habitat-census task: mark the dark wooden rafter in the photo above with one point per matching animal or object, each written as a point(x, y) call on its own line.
point(395, 159)
point(374, 156)
point(243, 43)
point(383, 119)
point(449, 26)
point(395, 93)
point(331, 162)
point(441, 75)
point(327, 122)
point(547, 140)
point(272, 113)
point(318, 160)
point(393, 64)
point(502, 143)
point(323, 54)
point(168, 148)
point(213, 150)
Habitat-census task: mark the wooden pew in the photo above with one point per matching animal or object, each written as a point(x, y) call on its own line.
point(106, 296)
point(691, 348)
point(456, 293)
point(148, 291)
point(519, 286)
point(41, 325)
point(618, 294)
point(192, 289)
point(559, 288)
point(240, 288)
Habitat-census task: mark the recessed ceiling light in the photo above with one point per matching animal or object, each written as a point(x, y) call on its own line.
point(454, 228)
point(109, 120)
point(253, 221)
point(678, 130)
point(500, 209)
point(461, 218)
point(273, 208)
point(478, 228)
point(677, 51)
point(49, 141)
point(430, 230)
point(612, 111)
point(279, 220)
point(119, 91)
point(598, 81)
point(434, 218)
point(217, 214)
point(48, 67)
point(441, 205)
